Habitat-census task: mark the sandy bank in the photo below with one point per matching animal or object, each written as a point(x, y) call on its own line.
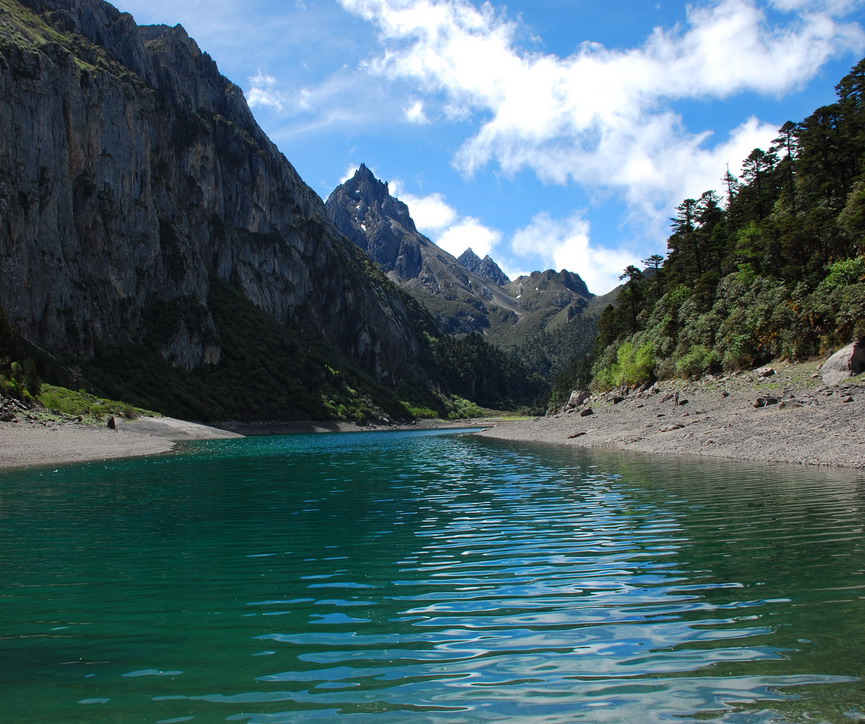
point(23, 443)
point(803, 422)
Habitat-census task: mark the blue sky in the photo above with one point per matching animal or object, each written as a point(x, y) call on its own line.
point(546, 133)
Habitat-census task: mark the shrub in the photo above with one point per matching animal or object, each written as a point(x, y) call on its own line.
point(634, 364)
point(699, 360)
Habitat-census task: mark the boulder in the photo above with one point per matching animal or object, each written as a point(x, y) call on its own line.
point(845, 363)
point(578, 397)
point(765, 372)
point(765, 401)
point(588, 411)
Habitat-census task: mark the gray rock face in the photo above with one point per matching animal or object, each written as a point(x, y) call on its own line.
point(131, 171)
point(845, 363)
point(485, 267)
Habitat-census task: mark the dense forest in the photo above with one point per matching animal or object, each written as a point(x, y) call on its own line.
point(770, 267)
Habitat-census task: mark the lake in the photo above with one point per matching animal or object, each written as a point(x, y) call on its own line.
point(430, 576)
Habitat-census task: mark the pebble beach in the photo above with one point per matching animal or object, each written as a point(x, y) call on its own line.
point(782, 413)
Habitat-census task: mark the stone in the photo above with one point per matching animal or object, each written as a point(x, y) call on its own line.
point(578, 397)
point(765, 401)
point(765, 372)
point(588, 411)
point(845, 363)
point(576, 434)
point(670, 428)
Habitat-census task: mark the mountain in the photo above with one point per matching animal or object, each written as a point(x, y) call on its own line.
point(153, 238)
point(485, 267)
point(546, 318)
point(460, 300)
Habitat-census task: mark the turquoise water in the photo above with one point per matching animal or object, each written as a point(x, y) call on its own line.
point(425, 576)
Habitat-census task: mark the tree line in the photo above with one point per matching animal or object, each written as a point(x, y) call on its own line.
point(770, 266)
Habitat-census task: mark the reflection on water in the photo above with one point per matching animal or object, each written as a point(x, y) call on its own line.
point(429, 576)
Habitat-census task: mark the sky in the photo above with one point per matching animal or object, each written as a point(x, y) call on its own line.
point(548, 134)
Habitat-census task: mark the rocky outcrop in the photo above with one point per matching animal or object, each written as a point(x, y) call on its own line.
point(486, 267)
point(131, 172)
point(845, 363)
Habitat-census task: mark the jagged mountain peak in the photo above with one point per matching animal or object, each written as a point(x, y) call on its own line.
point(486, 267)
point(372, 195)
point(378, 223)
point(551, 279)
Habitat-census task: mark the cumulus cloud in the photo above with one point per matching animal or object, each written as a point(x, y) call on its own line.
point(469, 232)
point(573, 118)
point(415, 113)
point(605, 118)
point(568, 243)
point(444, 225)
point(264, 91)
point(430, 213)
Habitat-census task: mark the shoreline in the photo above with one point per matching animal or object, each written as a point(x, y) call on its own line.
point(34, 443)
point(786, 416)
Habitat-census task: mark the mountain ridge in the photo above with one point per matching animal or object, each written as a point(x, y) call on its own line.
point(135, 184)
point(544, 317)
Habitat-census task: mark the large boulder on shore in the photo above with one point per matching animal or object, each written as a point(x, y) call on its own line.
point(845, 363)
point(578, 397)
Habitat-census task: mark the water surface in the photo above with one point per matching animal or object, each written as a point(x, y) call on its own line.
point(430, 576)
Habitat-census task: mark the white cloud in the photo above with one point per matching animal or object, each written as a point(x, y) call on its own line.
point(469, 232)
point(568, 243)
point(605, 118)
point(430, 213)
point(415, 113)
point(263, 92)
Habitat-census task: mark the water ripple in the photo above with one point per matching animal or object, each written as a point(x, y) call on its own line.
point(427, 577)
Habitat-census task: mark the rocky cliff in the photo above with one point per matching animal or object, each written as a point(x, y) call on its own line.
point(133, 175)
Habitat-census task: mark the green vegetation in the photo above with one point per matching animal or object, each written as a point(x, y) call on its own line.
point(19, 376)
point(23, 27)
point(470, 368)
point(82, 404)
point(265, 371)
point(773, 270)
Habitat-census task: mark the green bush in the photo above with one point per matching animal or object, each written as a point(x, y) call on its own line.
point(634, 364)
point(699, 360)
point(419, 412)
point(460, 408)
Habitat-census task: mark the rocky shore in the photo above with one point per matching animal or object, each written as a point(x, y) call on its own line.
point(782, 413)
point(30, 442)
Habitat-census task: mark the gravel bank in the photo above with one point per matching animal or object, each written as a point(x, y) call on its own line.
point(788, 416)
point(27, 443)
